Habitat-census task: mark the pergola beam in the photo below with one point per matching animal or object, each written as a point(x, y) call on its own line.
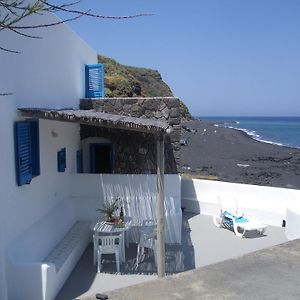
point(100, 119)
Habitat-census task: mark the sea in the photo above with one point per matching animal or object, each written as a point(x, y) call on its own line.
point(282, 131)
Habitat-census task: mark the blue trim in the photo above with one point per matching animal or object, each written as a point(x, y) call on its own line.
point(94, 81)
point(27, 151)
point(35, 149)
point(23, 152)
point(61, 160)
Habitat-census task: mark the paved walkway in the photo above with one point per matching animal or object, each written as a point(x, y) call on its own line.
point(271, 273)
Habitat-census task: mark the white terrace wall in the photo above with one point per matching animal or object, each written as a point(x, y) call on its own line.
point(267, 204)
point(48, 72)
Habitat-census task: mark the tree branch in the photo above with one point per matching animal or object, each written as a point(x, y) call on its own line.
point(6, 94)
point(46, 25)
point(24, 34)
point(14, 11)
point(9, 50)
point(88, 14)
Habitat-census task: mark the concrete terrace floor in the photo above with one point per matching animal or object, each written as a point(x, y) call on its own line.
point(271, 273)
point(203, 244)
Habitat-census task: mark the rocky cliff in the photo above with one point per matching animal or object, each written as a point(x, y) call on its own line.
point(128, 81)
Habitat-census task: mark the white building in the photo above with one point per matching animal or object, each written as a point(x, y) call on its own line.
point(47, 73)
point(35, 216)
point(36, 212)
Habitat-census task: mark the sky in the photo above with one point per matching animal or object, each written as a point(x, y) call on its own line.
point(221, 57)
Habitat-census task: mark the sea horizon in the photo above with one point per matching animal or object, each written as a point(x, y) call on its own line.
point(277, 130)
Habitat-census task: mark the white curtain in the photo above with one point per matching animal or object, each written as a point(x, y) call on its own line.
point(138, 194)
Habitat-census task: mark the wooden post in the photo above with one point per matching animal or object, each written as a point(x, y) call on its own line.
point(160, 210)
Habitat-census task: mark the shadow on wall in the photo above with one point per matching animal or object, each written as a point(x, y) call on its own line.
point(189, 198)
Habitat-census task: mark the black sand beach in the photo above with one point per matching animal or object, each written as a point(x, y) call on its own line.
point(233, 156)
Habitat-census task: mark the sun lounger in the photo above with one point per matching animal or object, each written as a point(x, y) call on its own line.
point(240, 223)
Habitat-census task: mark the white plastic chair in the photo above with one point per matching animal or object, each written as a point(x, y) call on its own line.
point(96, 242)
point(147, 239)
point(109, 244)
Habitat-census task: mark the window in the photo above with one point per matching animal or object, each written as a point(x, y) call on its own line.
point(94, 81)
point(61, 160)
point(27, 150)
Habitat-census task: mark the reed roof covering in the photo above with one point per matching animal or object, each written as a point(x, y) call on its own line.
point(92, 117)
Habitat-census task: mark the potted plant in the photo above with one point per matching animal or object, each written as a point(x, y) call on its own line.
point(109, 209)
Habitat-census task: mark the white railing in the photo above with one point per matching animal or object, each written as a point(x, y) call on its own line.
point(267, 204)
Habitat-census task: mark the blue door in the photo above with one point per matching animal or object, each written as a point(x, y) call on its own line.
point(101, 158)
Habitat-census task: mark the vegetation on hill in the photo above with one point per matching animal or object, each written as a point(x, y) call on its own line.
point(127, 81)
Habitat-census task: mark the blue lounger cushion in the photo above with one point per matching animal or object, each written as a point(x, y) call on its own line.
point(237, 219)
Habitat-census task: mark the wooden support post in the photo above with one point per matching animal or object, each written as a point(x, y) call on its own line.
point(160, 209)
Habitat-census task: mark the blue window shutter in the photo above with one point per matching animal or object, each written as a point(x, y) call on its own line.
point(94, 81)
point(61, 160)
point(79, 159)
point(35, 149)
point(23, 152)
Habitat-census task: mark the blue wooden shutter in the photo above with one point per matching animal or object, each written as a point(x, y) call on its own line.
point(94, 81)
point(35, 147)
point(23, 152)
point(61, 160)
point(79, 159)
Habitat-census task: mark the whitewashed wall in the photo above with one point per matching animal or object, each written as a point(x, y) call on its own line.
point(7, 180)
point(267, 204)
point(48, 73)
point(28, 204)
point(137, 192)
point(293, 220)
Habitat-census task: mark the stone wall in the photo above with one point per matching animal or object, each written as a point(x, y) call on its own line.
point(135, 152)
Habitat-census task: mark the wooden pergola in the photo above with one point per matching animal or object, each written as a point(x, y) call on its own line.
point(158, 128)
